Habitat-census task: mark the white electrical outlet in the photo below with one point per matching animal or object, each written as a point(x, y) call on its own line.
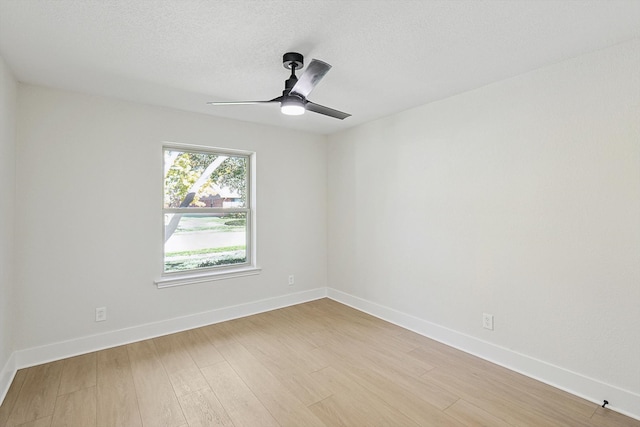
point(487, 321)
point(101, 314)
point(292, 280)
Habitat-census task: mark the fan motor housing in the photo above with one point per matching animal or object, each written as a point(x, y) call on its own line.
point(290, 58)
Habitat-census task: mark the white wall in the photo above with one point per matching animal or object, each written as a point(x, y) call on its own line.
point(520, 199)
point(89, 222)
point(8, 90)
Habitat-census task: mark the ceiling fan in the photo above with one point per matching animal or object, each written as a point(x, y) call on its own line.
point(293, 100)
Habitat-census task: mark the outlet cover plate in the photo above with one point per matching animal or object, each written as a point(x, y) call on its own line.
point(101, 314)
point(487, 321)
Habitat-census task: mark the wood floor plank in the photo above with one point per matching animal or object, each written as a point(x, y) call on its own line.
point(281, 355)
point(77, 408)
point(40, 422)
point(184, 374)
point(335, 411)
point(357, 320)
point(172, 353)
point(396, 361)
point(285, 407)
point(609, 418)
point(537, 395)
point(203, 409)
point(12, 396)
point(492, 401)
point(360, 333)
point(412, 394)
point(200, 348)
point(539, 398)
point(218, 334)
point(526, 390)
point(117, 402)
point(156, 397)
point(303, 317)
point(288, 368)
point(278, 327)
point(240, 403)
point(472, 416)
point(186, 381)
point(37, 397)
point(77, 373)
point(354, 403)
point(303, 386)
point(419, 400)
point(296, 379)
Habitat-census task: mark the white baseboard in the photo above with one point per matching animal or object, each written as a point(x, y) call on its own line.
point(61, 350)
point(6, 376)
point(622, 401)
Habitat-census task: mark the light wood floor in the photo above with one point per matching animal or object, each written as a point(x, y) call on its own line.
point(314, 364)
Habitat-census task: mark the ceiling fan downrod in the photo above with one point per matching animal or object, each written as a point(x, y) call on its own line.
point(291, 61)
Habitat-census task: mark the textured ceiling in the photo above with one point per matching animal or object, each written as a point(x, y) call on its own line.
point(387, 56)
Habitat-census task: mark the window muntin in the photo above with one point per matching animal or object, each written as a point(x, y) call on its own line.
point(207, 210)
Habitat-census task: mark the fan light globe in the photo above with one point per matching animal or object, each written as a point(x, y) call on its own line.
point(292, 106)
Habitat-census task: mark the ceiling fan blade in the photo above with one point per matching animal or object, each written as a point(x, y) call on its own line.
point(244, 102)
point(317, 108)
point(310, 77)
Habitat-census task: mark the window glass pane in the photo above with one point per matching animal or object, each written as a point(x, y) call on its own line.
point(204, 180)
point(194, 241)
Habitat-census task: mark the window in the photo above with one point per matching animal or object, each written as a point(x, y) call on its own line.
point(208, 214)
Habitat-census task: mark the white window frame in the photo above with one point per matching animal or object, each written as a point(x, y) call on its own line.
point(248, 268)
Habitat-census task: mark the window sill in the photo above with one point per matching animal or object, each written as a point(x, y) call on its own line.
point(192, 278)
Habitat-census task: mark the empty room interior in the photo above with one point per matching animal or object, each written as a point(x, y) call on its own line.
point(319, 213)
